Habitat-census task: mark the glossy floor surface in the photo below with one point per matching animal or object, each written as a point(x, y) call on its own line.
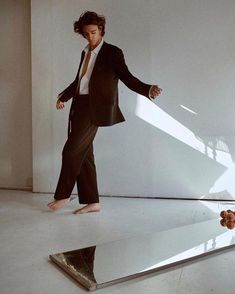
point(30, 233)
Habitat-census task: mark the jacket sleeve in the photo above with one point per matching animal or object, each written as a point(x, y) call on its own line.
point(126, 77)
point(68, 93)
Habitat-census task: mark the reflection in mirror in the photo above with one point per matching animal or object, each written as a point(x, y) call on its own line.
point(80, 264)
point(105, 264)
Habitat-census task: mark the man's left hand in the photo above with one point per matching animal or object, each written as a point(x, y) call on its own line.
point(155, 91)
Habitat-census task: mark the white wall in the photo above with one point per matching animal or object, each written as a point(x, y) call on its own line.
point(15, 106)
point(181, 146)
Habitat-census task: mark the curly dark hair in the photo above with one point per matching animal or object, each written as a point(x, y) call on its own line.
point(88, 18)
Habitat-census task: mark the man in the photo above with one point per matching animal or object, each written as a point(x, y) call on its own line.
point(95, 103)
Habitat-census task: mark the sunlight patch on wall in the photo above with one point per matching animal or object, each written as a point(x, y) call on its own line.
point(225, 182)
point(154, 115)
point(188, 109)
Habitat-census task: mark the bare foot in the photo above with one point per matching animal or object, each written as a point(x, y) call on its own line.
point(57, 204)
point(92, 207)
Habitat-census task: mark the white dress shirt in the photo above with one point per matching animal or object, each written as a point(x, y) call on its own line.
point(84, 82)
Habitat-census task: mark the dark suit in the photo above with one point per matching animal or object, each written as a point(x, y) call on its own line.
point(100, 108)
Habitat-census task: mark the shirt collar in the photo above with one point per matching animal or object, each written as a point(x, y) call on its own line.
point(96, 50)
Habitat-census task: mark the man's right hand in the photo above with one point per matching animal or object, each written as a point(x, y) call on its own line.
point(59, 104)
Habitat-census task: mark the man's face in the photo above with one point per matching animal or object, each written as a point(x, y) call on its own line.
point(93, 35)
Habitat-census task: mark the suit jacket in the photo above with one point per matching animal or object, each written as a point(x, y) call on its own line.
point(109, 67)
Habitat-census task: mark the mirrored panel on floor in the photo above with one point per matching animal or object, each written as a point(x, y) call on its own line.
point(102, 265)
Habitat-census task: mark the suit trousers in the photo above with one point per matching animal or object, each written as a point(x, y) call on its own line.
point(78, 164)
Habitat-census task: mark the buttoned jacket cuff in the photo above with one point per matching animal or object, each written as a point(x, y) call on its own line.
point(150, 97)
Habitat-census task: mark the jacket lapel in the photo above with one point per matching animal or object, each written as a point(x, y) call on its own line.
point(99, 60)
point(81, 60)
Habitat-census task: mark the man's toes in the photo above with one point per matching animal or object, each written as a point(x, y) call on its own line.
point(78, 211)
point(88, 208)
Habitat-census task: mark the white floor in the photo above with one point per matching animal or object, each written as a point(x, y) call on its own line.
point(30, 232)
